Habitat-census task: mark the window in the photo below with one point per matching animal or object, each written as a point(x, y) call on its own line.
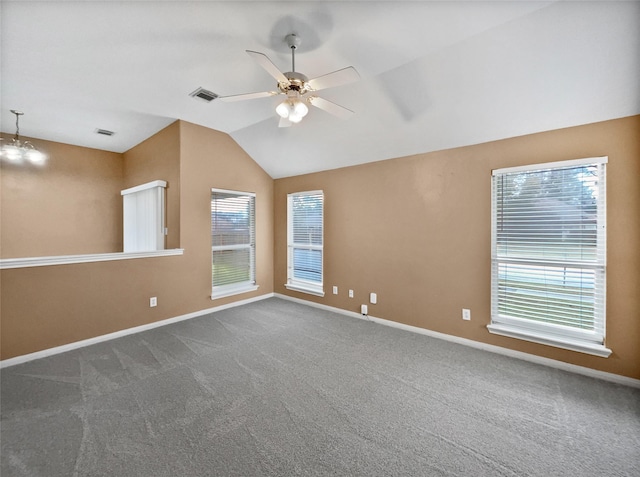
point(548, 254)
point(143, 217)
point(233, 244)
point(305, 214)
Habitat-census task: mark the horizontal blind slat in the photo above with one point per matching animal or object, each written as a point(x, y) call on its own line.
point(548, 247)
point(306, 236)
point(232, 238)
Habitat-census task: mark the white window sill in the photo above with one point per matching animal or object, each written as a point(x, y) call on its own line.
point(549, 339)
point(304, 289)
point(93, 257)
point(230, 291)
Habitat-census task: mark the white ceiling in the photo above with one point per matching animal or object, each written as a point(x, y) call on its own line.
point(434, 75)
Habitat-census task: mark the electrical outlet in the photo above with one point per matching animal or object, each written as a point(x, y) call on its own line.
point(350, 293)
point(335, 290)
point(466, 314)
point(373, 298)
point(364, 310)
point(153, 301)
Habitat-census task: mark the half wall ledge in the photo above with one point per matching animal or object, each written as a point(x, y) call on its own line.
point(27, 262)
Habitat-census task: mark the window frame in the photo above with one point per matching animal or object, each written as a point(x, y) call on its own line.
point(299, 284)
point(221, 291)
point(585, 341)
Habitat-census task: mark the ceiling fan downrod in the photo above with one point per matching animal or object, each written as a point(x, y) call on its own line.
point(293, 41)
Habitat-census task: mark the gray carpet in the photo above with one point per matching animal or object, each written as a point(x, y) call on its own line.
point(276, 388)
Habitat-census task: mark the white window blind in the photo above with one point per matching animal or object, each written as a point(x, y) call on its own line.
point(549, 254)
point(143, 217)
point(232, 242)
point(305, 218)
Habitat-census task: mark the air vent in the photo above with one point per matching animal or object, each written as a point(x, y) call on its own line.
point(204, 95)
point(104, 132)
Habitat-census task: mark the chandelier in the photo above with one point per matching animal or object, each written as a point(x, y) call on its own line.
point(18, 151)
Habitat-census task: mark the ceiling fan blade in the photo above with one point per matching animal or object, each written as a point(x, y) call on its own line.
point(242, 97)
point(264, 61)
point(337, 78)
point(331, 108)
point(284, 123)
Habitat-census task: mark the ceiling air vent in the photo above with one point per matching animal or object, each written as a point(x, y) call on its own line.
point(104, 132)
point(204, 95)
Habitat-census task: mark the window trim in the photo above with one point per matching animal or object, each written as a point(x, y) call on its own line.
point(589, 342)
point(222, 291)
point(299, 284)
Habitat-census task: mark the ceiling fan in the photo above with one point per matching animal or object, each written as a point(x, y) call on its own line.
point(298, 88)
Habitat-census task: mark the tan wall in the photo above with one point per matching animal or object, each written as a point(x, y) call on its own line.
point(211, 159)
point(416, 231)
point(44, 307)
point(70, 205)
point(158, 158)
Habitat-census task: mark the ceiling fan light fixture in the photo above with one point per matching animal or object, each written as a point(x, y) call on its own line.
point(300, 108)
point(283, 109)
point(293, 109)
point(295, 118)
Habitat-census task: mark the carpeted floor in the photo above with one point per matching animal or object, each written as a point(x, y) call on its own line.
point(276, 388)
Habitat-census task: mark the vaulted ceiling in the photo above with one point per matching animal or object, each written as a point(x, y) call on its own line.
point(434, 75)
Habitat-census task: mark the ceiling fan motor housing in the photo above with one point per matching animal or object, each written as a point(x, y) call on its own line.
point(297, 82)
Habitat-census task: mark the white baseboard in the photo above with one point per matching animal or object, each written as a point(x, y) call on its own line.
point(129, 331)
point(592, 373)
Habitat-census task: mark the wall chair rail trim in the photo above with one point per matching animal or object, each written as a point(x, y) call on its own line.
point(7, 263)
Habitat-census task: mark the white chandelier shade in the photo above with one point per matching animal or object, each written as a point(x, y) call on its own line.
point(292, 108)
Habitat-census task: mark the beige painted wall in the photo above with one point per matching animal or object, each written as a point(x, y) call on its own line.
point(70, 205)
point(211, 159)
point(416, 231)
point(158, 158)
point(44, 307)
